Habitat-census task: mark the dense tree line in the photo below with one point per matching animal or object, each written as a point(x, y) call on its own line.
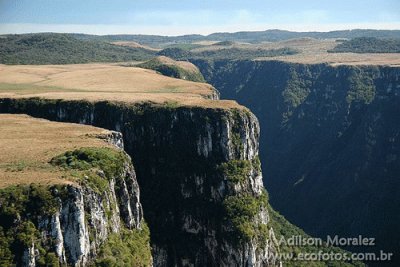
point(225, 53)
point(52, 48)
point(368, 45)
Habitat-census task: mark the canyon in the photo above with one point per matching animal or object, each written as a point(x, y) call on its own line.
point(182, 182)
point(329, 141)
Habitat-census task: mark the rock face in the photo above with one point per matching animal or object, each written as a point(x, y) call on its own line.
point(197, 169)
point(71, 222)
point(330, 142)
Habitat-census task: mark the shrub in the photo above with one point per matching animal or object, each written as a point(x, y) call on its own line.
point(236, 171)
point(130, 248)
point(108, 160)
point(241, 212)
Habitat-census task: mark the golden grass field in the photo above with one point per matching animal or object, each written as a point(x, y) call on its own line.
point(28, 144)
point(312, 51)
point(96, 82)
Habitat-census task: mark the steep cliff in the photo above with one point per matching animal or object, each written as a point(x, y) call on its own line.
point(72, 221)
point(199, 175)
point(329, 142)
point(196, 158)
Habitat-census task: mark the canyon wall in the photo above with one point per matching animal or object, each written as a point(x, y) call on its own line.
point(199, 174)
point(72, 225)
point(329, 144)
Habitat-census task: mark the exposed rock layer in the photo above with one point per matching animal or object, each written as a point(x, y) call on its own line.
point(71, 222)
point(329, 143)
point(177, 153)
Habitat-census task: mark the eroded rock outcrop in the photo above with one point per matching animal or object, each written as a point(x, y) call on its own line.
point(199, 174)
point(330, 141)
point(71, 224)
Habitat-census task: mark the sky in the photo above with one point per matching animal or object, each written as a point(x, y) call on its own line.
point(177, 17)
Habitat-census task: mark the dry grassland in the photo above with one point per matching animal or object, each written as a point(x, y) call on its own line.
point(314, 51)
point(28, 144)
point(96, 82)
point(134, 45)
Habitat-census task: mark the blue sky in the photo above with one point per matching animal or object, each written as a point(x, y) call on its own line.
point(173, 17)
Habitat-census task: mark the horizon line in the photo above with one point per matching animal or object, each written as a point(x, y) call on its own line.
point(110, 29)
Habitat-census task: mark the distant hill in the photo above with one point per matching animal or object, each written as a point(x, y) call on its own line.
point(233, 53)
point(279, 35)
point(251, 37)
point(156, 41)
point(368, 45)
point(55, 48)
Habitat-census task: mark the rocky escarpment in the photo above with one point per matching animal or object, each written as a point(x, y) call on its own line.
point(199, 174)
point(72, 225)
point(329, 142)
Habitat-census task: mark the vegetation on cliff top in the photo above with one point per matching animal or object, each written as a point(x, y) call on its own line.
point(22, 206)
point(368, 45)
point(28, 144)
point(175, 69)
point(109, 160)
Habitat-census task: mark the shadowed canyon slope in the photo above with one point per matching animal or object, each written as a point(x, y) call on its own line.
point(196, 161)
point(329, 141)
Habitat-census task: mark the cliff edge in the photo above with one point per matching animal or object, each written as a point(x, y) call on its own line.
point(67, 193)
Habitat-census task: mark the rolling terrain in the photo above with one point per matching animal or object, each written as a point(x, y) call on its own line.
point(247, 37)
point(56, 48)
point(196, 161)
point(328, 138)
point(103, 82)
